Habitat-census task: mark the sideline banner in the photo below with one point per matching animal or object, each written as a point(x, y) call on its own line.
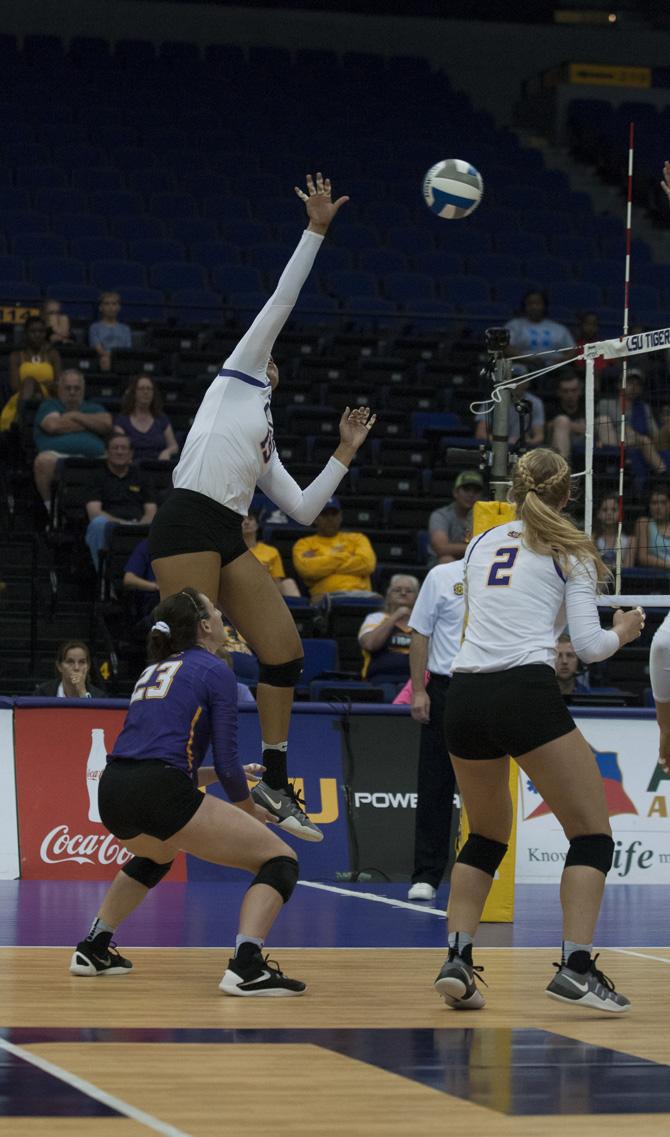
point(9, 835)
point(638, 800)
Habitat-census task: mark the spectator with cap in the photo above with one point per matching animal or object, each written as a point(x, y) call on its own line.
point(108, 334)
point(67, 427)
point(334, 562)
point(119, 495)
point(268, 555)
point(450, 525)
point(385, 636)
point(525, 418)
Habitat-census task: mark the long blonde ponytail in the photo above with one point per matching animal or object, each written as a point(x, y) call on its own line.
point(540, 486)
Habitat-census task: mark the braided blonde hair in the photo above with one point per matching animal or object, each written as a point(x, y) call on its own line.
point(540, 487)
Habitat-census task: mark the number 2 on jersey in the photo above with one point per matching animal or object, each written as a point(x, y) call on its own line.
point(163, 673)
point(501, 569)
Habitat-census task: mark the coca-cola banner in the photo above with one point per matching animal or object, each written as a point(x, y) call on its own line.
point(9, 841)
point(60, 755)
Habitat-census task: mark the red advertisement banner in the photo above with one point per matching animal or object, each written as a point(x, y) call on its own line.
point(60, 755)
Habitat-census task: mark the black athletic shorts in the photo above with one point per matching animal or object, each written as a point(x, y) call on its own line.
point(490, 714)
point(189, 522)
point(146, 795)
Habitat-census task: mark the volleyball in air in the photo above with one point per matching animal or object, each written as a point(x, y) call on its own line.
point(453, 188)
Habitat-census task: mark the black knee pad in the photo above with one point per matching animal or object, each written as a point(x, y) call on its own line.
point(280, 873)
point(595, 850)
point(147, 872)
point(281, 674)
point(482, 853)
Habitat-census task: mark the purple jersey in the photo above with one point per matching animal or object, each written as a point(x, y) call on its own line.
point(179, 707)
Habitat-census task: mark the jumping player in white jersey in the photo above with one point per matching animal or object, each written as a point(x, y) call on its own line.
point(196, 538)
point(659, 673)
point(524, 581)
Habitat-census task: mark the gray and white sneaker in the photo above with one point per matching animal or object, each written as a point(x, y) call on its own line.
point(456, 984)
point(288, 808)
point(587, 989)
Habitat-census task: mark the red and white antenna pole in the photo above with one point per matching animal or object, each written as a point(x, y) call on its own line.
point(624, 367)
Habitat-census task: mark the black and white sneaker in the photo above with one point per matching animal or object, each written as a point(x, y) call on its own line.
point(456, 984)
point(98, 957)
point(257, 976)
point(288, 808)
point(587, 989)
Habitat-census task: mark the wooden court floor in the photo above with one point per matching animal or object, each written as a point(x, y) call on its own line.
point(370, 1050)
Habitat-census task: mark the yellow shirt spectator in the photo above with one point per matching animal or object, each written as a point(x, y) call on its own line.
point(270, 558)
point(330, 561)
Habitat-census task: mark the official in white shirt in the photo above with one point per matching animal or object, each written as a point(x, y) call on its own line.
point(659, 673)
point(437, 624)
point(196, 538)
point(524, 580)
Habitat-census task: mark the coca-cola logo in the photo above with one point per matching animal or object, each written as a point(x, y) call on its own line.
point(85, 848)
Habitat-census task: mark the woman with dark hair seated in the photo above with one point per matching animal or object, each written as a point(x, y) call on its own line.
point(73, 671)
point(142, 419)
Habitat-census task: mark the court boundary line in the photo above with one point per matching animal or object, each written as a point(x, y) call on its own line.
point(393, 903)
point(93, 1091)
point(639, 954)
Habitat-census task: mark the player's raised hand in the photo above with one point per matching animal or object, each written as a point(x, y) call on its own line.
point(665, 184)
point(319, 203)
point(355, 426)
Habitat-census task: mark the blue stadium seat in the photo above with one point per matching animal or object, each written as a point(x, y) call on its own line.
point(138, 227)
point(41, 177)
point(493, 265)
point(521, 244)
point(107, 274)
point(511, 290)
point(345, 283)
point(428, 315)
point(193, 305)
point(330, 258)
point(179, 54)
point(89, 51)
point(367, 312)
point(155, 180)
point(211, 254)
point(380, 261)
point(547, 221)
point(246, 304)
point(42, 50)
point(244, 232)
point(575, 294)
point(269, 258)
point(18, 292)
point(314, 310)
point(97, 178)
point(547, 268)
point(134, 158)
point(466, 241)
point(21, 151)
point(353, 236)
point(80, 301)
point(440, 264)
point(407, 287)
point(463, 289)
point(237, 278)
point(411, 239)
point(193, 229)
point(57, 201)
point(643, 297)
point(171, 275)
point(114, 202)
point(12, 268)
point(223, 207)
point(150, 251)
point(134, 54)
point(615, 247)
point(45, 269)
point(498, 220)
point(72, 154)
point(229, 58)
point(485, 312)
point(80, 225)
point(172, 205)
point(423, 421)
point(141, 303)
point(576, 249)
point(98, 248)
point(39, 245)
point(14, 199)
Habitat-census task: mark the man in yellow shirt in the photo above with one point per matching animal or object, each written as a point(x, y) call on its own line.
point(269, 557)
point(330, 561)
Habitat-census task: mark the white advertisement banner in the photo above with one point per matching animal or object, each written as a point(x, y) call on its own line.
point(9, 834)
point(638, 799)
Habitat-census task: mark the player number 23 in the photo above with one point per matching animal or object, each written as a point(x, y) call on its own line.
point(162, 675)
point(501, 569)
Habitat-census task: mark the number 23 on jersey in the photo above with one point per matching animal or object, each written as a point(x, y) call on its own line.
point(501, 569)
point(156, 680)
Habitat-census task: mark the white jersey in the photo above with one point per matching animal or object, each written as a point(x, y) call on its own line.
point(518, 602)
point(438, 612)
point(230, 448)
point(659, 662)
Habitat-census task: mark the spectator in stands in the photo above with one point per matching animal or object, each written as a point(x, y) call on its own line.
point(571, 674)
point(65, 427)
point(143, 422)
point(57, 322)
point(139, 579)
point(333, 562)
point(449, 527)
point(652, 533)
point(73, 674)
point(641, 429)
point(33, 369)
point(588, 331)
point(605, 531)
point(108, 333)
point(118, 496)
point(567, 428)
point(385, 636)
point(525, 420)
point(533, 332)
point(268, 556)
